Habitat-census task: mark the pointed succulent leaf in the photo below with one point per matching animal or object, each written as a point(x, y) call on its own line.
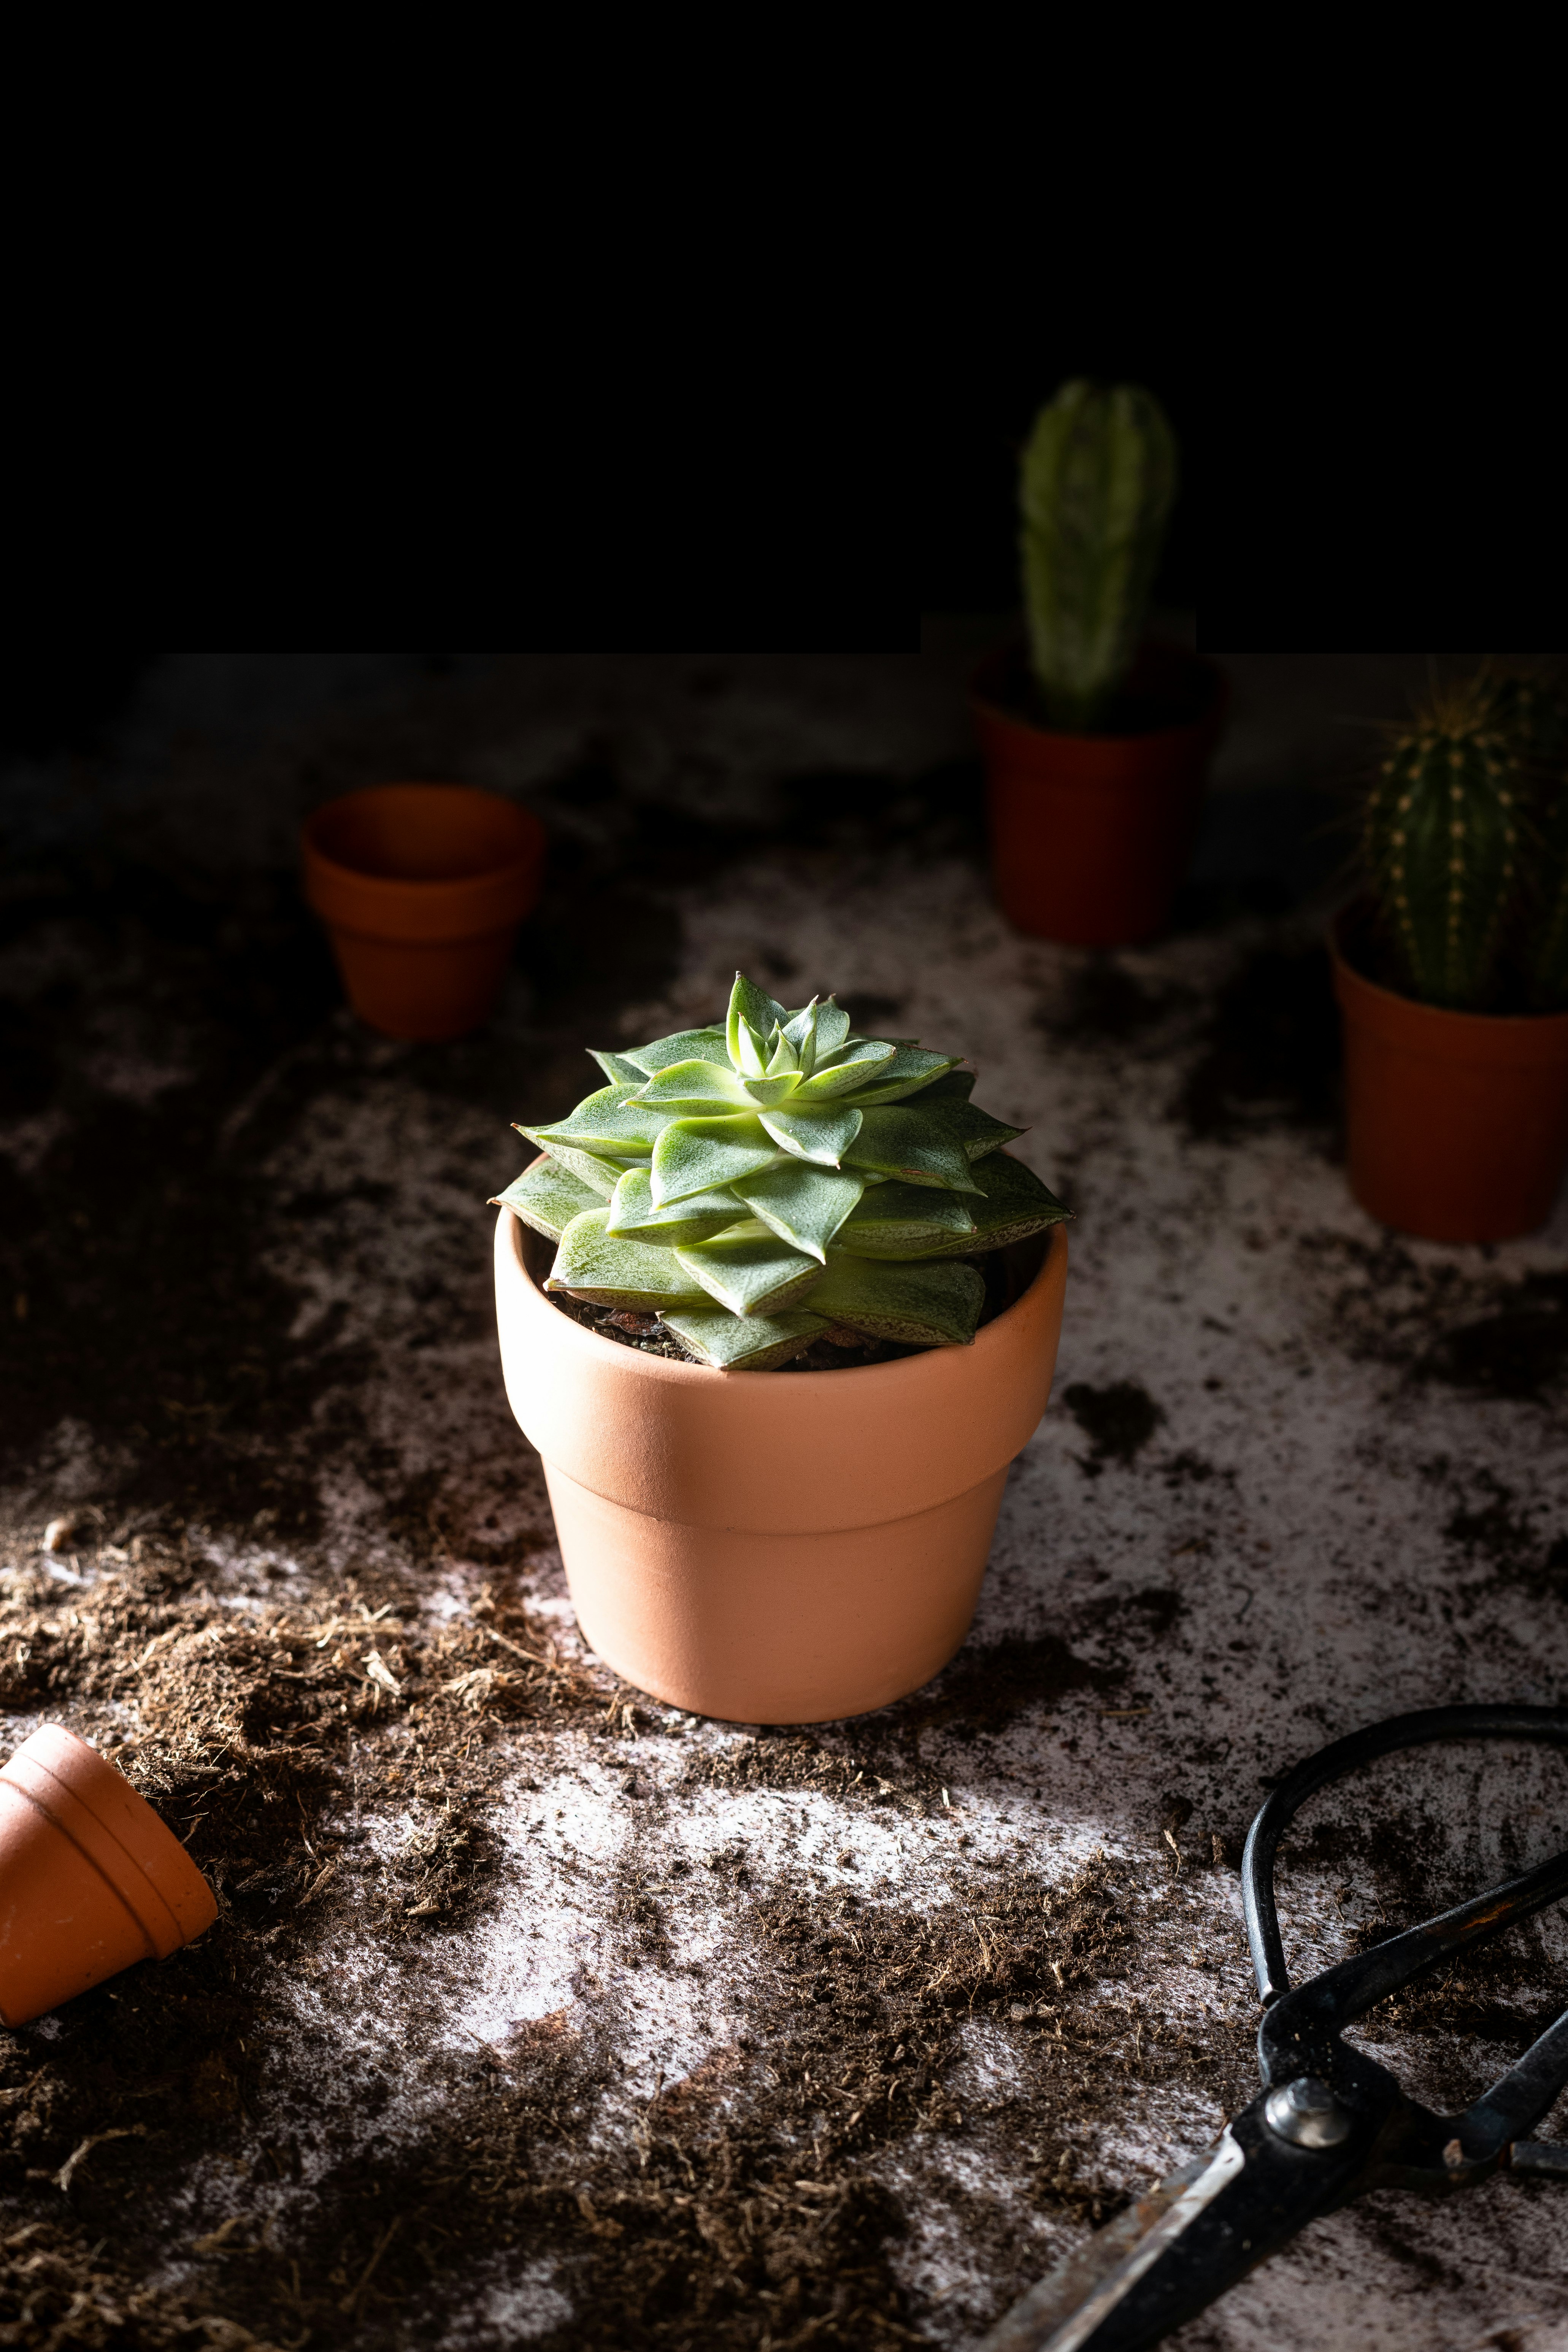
point(750, 1008)
point(763, 1093)
point(908, 1221)
point(593, 1264)
point(823, 1135)
point(1015, 1204)
point(954, 1085)
point(600, 1173)
point(911, 1070)
point(805, 1205)
point(754, 1051)
point(699, 1155)
point(902, 1143)
point(685, 1045)
point(975, 1132)
point(801, 1031)
point(547, 1197)
point(743, 1343)
point(634, 1215)
point(848, 1073)
point(922, 1306)
point(707, 1088)
point(750, 1271)
point(785, 1059)
point(609, 1121)
point(619, 1068)
point(832, 1029)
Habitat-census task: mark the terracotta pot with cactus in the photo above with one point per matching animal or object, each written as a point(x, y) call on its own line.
point(1096, 740)
point(1451, 970)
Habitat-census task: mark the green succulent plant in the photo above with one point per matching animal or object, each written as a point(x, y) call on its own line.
point(754, 1184)
point(1465, 836)
point(1096, 489)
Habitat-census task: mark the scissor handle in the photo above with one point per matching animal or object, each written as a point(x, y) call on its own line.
point(1332, 1763)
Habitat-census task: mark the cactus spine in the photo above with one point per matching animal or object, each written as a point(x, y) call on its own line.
point(1441, 839)
point(1097, 485)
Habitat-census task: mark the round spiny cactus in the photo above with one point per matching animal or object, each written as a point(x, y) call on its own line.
point(755, 1184)
point(1442, 840)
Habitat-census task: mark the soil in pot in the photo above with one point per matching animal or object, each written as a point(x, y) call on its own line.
point(1090, 834)
point(839, 1349)
point(1456, 1123)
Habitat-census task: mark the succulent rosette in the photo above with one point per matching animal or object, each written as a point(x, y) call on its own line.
point(756, 1185)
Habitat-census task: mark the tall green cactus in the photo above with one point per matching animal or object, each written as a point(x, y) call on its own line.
point(1097, 485)
point(1442, 840)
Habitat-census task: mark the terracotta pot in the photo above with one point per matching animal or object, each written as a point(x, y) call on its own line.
point(1090, 834)
point(1456, 1123)
point(422, 887)
point(91, 1880)
point(773, 1547)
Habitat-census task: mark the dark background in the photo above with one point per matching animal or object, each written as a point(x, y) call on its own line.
point(849, 555)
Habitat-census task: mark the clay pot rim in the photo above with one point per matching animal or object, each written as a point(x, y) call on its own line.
point(1458, 1023)
point(1212, 710)
point(663, 1368)
point(418, 887)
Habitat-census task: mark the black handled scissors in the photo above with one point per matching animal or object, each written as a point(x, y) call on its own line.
point(1328, 2124)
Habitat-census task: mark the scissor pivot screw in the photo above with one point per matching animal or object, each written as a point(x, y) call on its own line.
point(1306, 2112)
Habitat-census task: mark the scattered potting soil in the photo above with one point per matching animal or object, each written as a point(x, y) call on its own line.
point(275, 1737)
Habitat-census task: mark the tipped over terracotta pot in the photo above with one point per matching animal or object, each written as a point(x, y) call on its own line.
point(422, 887)
point(91, 1880)
point(775, 1546)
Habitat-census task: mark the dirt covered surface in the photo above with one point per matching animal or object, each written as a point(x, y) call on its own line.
point(537, 2013)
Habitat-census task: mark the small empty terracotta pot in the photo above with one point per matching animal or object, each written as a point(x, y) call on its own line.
point(91, 1880)
point(422, 887)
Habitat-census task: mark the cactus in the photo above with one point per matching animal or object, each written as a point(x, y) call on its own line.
point(1466, 837)
point(758, 1182)
point(1442, 840)
point(1533, 713)
point(1095, 487)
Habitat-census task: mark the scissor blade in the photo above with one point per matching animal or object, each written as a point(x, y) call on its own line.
point(1181, 2246)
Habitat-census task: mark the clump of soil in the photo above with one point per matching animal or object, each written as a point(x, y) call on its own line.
point(1118, 1421)
point(1272, 1051)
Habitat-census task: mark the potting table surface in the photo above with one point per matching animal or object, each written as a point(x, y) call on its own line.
point(538, 2012)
